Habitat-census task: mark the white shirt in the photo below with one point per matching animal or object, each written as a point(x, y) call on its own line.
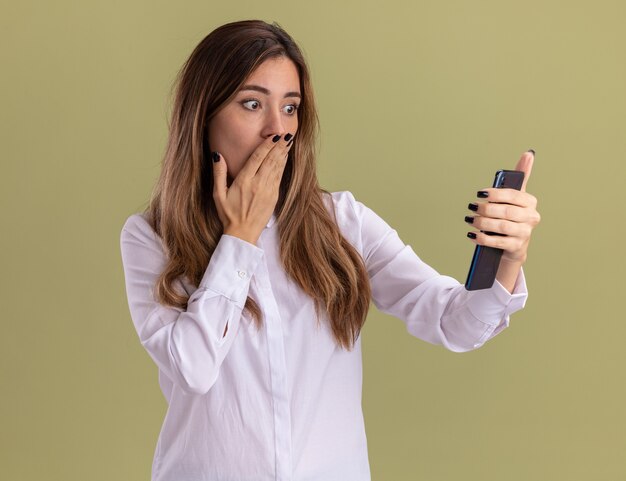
point(284, 403)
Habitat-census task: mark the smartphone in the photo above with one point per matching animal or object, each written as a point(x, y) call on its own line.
point(486, 260)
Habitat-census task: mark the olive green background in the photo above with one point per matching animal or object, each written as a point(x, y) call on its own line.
point(420, 103)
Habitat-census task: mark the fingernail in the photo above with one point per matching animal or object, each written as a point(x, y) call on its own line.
point(216, 156)
point(290, 142)
point(531, 150)
point(287, 137)
point(276, 138)
point(472, 206)
point(471, 235)
point(482, 194)
point(469, 218)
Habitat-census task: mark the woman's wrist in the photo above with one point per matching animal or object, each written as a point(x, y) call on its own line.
point(252, 239)
point(508, 271)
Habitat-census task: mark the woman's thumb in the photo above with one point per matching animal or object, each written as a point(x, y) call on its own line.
point(219, 177)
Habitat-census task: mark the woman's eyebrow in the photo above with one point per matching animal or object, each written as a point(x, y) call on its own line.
point(258, 88)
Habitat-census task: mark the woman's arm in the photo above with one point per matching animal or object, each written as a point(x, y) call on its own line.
point(187, 345)
point(435, 308)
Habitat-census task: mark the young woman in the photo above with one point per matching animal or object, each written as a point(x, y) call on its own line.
point(248, 284)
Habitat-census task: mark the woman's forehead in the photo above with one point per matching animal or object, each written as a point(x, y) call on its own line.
point(274, 76)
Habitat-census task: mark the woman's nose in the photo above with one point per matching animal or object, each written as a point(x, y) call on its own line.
point(275, 124)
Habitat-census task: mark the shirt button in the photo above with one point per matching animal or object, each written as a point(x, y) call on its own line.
point(242, 274)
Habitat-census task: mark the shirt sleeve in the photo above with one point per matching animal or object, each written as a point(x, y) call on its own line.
point(187, 345)
point(435, 308)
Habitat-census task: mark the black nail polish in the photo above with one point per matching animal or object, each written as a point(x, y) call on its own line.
point(216, 156)
point(472, 206)
point(469, 218)
point(471, 235)
point(482, 194)
point(276, 138)
point(531, 150)
point(287, 137)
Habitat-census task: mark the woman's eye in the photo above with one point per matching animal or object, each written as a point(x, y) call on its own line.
point(295, 107)
point(250, 101)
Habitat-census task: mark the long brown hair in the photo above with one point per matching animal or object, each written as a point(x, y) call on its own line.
point(182, 211)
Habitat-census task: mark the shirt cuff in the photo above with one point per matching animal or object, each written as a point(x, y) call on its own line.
point(493, 304)
point(231, 267)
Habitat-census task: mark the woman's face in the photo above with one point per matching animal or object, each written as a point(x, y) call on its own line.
point(265, 106)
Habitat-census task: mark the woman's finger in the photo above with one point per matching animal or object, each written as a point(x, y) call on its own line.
point(507, 243)
point(505, 211)
point(256, 159)
point(508, 196)
point(525, 164)
point(280, 167)
point(500, 226)
point(267, 171)
point(220, 171)
point(276, 176)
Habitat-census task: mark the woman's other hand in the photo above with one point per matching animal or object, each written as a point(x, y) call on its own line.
point(510, 212)
point(246, 206)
